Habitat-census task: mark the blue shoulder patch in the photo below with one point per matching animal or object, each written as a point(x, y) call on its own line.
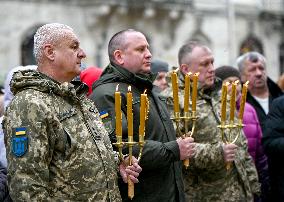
point(103, 114)
point(19, 142)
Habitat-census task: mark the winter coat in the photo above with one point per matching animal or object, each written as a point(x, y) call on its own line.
point(4, 193)
point(57, 147)
point(160, 179)
point(253, 134)
point(274, 92)
point(273, 144)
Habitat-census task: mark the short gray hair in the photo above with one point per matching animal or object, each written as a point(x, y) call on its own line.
point(249, 56)
point(48, 33)
point(187, 49)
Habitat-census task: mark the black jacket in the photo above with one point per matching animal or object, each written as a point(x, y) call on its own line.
point(4, 193)
point(274, 92)
point(273, 144)
point(160, 179)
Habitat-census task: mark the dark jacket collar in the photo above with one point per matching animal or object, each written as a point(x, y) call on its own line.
point(115, 73)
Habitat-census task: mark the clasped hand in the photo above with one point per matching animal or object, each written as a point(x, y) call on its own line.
point(186, 147)
point(229, 152)
point(131, 171)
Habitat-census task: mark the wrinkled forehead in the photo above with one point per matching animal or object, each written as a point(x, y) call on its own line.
point(255, 61)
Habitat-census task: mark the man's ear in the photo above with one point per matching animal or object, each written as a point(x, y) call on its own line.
point(49, 51)
point(118, 56)
point(184, 68)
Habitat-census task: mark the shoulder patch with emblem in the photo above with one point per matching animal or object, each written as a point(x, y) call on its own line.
point(103, 114)
point(19, 141)
point(107, 121)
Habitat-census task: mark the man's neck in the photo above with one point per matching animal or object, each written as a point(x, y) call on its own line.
point(260, 93)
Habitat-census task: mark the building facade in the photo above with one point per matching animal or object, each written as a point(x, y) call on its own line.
point(229, 27)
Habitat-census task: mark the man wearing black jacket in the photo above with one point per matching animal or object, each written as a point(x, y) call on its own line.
point(261, 89)
point(130, 61)
point(273, 144)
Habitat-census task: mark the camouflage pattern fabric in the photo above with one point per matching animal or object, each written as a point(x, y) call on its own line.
point(69, 155)
point(207, 179)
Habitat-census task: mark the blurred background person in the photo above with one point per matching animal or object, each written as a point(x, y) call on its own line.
point(1, 101)
point(160, 68)
point(8, 95)
point(251, 129)
point(273, 143)
point(261, 89)
point(280, 82)
point(89, 76)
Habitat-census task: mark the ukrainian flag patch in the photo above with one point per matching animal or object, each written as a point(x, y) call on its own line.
point(21, 131)
point(103, 114)
point(19, 141)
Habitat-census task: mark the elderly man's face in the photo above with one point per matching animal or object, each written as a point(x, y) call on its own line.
point(68, 55)
point(255, 73)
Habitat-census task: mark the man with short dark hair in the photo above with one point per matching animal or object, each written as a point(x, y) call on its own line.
point(207, 178)
point(130, 61)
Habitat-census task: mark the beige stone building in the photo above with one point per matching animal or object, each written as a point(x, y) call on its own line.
point(229, 27)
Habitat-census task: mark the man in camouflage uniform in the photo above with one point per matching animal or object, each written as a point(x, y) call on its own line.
point(207, 179)
point(57, 147)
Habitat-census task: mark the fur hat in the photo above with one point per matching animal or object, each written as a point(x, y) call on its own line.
point(224, 72)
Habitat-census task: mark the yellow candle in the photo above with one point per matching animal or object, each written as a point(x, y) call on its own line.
point(243, 100)
point(194, 91)
point(118, 115)
point(175, 90)
point(129, 113)
point(143, 109)
point(233, 100)
point(224, 102)
point(186, 92)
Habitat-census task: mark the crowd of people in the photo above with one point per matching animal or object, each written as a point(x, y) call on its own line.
point(59, 126)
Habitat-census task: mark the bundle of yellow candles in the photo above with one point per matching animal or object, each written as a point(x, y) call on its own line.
point(233, 101)
point(186, 91)
point(118, 124)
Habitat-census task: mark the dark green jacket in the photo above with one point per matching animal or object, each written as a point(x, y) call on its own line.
point(160, 179)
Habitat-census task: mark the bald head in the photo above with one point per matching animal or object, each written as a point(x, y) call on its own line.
point(48, 34)
point(118, 42)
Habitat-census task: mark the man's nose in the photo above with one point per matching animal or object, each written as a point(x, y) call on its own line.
point(258, 71)
point(211, 67)
point(148, 54)
point(81, 54)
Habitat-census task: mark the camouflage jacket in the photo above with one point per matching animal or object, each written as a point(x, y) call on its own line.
point(207, 179)
point(57, 147)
